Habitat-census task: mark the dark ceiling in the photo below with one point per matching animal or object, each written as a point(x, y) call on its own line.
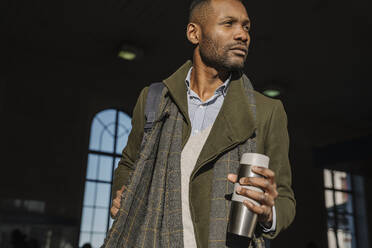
point(318, 52)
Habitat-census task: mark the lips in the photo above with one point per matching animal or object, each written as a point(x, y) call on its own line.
point(240, 49)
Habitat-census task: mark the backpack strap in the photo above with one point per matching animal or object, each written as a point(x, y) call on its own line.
point(152, 103)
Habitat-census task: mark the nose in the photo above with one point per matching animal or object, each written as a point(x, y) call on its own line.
point(242, 34)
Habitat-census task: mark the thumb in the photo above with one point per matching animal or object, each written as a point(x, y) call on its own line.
point(232, 178)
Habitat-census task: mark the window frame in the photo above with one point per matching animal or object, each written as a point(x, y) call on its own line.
point(115, 156)
point(334, 209)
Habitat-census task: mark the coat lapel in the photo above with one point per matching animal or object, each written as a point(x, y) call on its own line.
point(233, 125)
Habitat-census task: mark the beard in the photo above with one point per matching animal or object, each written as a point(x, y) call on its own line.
point(220, 57)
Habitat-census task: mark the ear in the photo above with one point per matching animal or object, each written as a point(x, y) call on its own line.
point(193, 33)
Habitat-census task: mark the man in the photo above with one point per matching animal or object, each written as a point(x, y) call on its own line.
point(175, 180)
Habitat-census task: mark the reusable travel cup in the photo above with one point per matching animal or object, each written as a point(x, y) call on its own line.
point(242, 221)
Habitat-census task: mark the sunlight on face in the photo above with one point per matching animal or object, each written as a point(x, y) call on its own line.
point(225, 35)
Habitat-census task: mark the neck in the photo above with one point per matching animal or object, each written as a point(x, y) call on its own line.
point(205, 79)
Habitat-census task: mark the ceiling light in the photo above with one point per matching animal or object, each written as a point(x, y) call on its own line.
point(130, 53)
point(127, 55)
point(272, 93)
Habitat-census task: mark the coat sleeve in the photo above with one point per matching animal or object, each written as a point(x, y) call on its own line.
point(276, 146)
point(131, 151)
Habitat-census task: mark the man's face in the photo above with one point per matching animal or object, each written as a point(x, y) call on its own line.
point(225, 35)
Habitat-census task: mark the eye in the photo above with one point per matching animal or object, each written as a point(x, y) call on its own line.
point(228, 23)
point(247, 28)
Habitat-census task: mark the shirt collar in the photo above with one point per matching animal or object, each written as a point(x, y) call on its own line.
point(222, 88)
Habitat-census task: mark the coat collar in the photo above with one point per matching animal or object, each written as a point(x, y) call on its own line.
point(178, 90)
point(234, 123)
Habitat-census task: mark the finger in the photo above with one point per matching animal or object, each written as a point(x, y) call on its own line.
point(254, 208)
point(120, 192)
point(113, 212)
point(266, 172)
point(122, 189)
point(260, 182)
point(262, 198)
point(232, 177)
point(116, 203)
point(263, 211)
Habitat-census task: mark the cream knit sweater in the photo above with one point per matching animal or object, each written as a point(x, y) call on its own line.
point(189, 156)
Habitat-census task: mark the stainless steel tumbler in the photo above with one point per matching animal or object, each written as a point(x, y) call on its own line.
point(242, 221)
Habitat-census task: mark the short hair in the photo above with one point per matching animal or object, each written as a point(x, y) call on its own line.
point(198, 10)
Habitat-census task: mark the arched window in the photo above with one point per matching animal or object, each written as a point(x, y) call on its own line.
point(109, 133)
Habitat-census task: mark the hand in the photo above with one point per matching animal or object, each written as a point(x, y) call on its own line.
point(265, 198)
point(116, 203)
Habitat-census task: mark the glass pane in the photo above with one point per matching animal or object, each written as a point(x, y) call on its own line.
point(345, 239)
point(329, 198)
point(341, 180)
point(107, 116)
point(97, 240)
point(100, 220)
point(111, 221)
point(107, 138)
point(327, 178)
point(344, 202)
point(102, 131)
point(331, 218)
point(86, 220)
point(345, 223)
point(331, 238)
point(103, 194)
point(124, 129)
point(92, 166)
point(117, 162)
point(89, 193)
point(105, 168)
point(84, 238)
point(95, 131)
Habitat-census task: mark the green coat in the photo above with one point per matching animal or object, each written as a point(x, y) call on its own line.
point(233, 125)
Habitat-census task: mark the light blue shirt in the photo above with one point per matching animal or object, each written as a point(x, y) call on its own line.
point(203, 114)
